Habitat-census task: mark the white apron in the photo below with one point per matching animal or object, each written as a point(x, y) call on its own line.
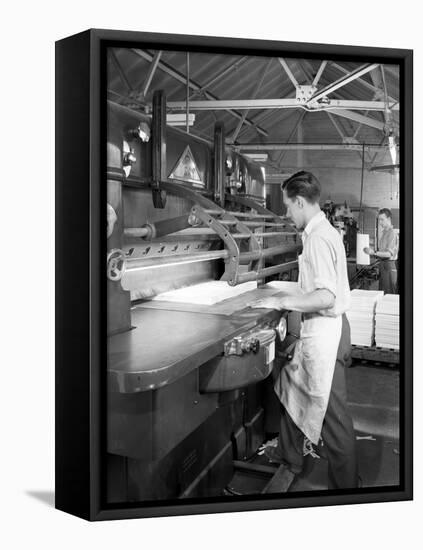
point(303, 385)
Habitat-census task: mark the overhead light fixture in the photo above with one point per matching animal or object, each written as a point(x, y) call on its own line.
point(180, 119)
point(392, 148)
point(277, 178)
point(259, 157)
point(392, 168)
point(283, 175)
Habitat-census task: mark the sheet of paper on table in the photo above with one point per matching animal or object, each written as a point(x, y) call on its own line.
point(207, 293)
point(289, 287)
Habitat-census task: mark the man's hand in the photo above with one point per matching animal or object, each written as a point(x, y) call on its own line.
point(369, 251)
point(271, 303)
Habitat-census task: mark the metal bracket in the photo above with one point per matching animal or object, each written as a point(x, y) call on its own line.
point(305, 93)
point(116, 264)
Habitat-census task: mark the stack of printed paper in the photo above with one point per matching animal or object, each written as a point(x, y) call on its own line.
point(361, 316)
point(387, 322)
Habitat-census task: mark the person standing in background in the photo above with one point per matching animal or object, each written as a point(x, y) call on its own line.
point(387, 253)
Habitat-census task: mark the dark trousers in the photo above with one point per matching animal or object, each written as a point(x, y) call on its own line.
point(337, 431)
point(388, 276)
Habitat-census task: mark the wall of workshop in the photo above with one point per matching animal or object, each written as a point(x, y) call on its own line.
point(380, 189)
point(340, 175)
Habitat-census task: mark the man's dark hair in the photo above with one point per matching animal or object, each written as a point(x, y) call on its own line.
point(303, 184)
point(385, 211)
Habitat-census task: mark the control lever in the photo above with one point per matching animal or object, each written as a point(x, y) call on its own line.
point(287, 356)
point(255, 345)
point(287, 353)
point(250, 345)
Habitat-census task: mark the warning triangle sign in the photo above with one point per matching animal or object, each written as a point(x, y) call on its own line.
point(186, 169)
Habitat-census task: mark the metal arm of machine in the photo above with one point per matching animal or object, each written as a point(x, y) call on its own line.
point(150, 231)
point(242, 245)
point(229, 238)
point(254, 205)
point(266, 272)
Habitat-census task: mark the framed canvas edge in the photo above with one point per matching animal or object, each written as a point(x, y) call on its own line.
point(260, 503)
point(72, 365)
point(228, 43)
point(89, 451)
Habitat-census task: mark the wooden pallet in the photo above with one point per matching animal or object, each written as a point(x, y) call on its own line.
point(376, 354)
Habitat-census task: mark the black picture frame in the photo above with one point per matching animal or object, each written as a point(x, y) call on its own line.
point(80, 265)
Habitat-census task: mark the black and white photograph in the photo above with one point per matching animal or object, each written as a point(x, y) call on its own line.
point(253, 288)
point(211, 286)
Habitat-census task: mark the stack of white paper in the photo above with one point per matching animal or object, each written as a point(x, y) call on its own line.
point(208, 293)
point(361, 316)
point(387, 322)
point(290, 287)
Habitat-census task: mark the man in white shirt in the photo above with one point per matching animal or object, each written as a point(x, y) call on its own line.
point(312, 386)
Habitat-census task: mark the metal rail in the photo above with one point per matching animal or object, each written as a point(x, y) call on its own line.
point(266, 272)
point(139, 264)
point(242, 246)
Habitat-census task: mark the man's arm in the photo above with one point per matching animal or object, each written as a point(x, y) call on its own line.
point(304, 303)
point(389, 251)
point(322, 273)
point(382, 254)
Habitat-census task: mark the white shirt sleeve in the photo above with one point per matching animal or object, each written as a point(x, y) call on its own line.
point(321, 258)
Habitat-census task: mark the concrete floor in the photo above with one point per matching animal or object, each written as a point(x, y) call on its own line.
point(373, 395)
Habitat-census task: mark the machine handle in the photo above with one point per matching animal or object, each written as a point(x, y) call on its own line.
point(116, 264)
point(288, 353)
point(255, 345)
